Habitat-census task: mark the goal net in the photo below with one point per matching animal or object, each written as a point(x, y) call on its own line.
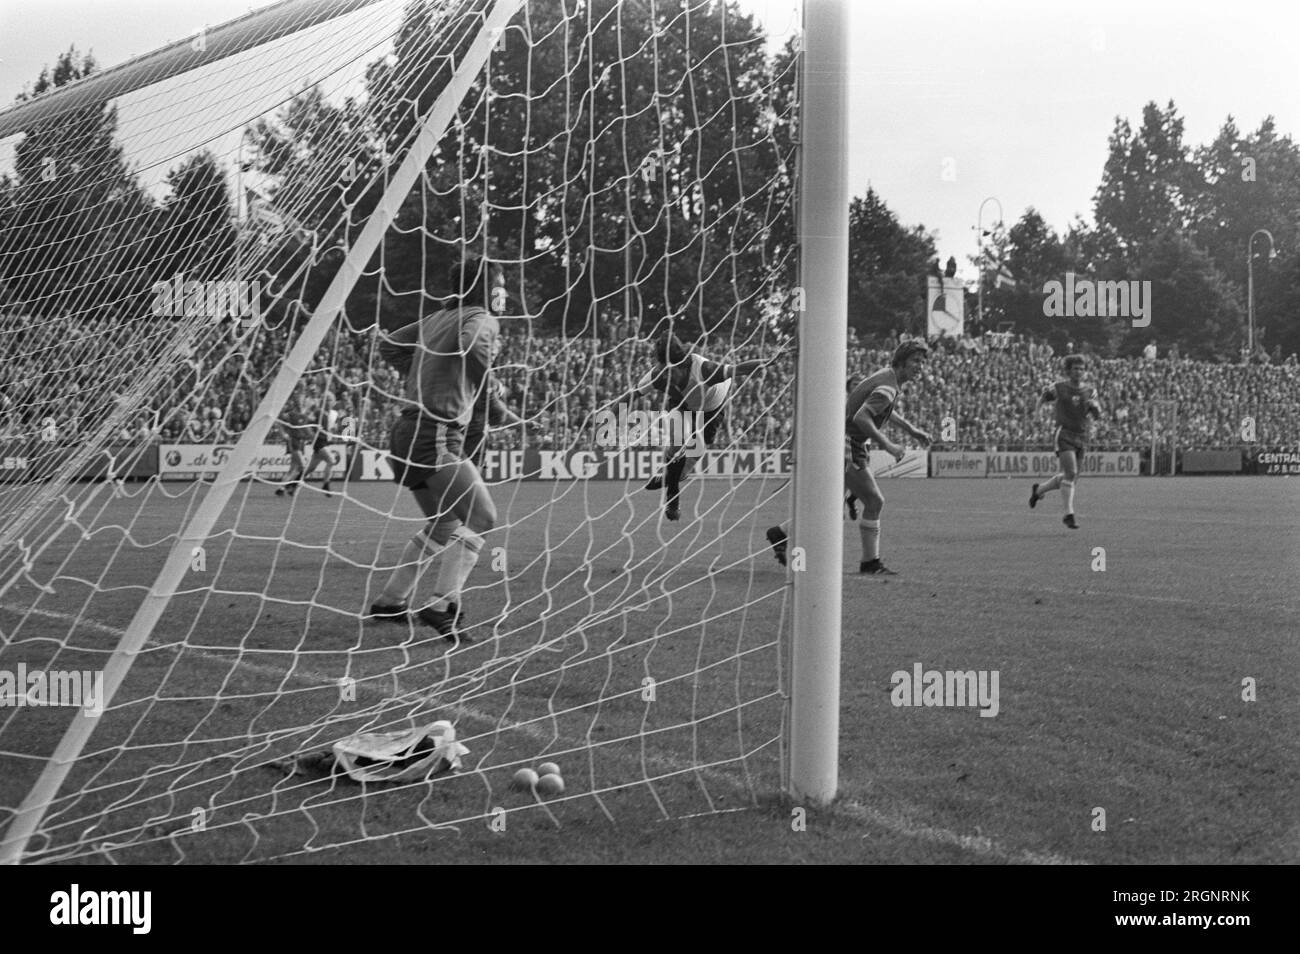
point(206, 257)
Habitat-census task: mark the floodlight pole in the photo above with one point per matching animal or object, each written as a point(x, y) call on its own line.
point(816, 541)
point(979, 237)
point(1250, 288)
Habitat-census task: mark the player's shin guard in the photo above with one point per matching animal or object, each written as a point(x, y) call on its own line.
point(870, 531)
point(1067, 495)
point(419, 550)
point(457, 563)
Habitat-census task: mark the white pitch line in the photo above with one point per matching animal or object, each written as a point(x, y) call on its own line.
point(899, 825)
point(976, 844)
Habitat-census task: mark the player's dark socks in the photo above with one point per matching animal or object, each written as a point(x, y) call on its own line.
point(672, 512)
point(1033, 497)
point(875, 568)
point(395, 613)
point(776, 536)
point(279, 491)
point(655, 483)
point(1069, 521)
point(853, 507)
point(326, 487)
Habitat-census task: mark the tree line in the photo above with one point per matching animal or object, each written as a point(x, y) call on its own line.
point(631, 161)
point(635, 163)
point(1177, 216)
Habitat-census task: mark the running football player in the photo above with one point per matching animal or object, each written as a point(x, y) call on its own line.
point(871, 405)
point(1075, 402)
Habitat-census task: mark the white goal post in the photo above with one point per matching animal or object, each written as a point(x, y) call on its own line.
point(819, 428)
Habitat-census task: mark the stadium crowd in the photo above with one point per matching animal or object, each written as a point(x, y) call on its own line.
point(51, 381)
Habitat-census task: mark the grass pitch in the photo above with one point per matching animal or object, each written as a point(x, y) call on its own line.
point(648, 659)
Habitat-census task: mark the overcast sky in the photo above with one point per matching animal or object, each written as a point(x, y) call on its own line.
point(1016, 97)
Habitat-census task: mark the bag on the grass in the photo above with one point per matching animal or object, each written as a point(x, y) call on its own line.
point(400, 756)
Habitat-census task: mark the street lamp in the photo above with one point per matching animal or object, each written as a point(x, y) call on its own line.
point(980, 233)
point(1250, 287)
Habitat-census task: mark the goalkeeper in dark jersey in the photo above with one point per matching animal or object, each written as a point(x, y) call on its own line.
point(1075, 402)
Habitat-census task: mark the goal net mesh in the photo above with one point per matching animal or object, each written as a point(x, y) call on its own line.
point(630, 167)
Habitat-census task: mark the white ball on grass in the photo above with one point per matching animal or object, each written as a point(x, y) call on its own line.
point(524, 779)
point(550, 785)
point(548, 768)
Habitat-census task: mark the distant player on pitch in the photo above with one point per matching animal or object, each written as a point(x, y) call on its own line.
point(1075, 402)
point(870, 406)
point(446, 358)
point(322, 432)
point(295, 428)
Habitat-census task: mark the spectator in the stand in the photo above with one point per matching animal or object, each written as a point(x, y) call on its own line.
point(1149, 352)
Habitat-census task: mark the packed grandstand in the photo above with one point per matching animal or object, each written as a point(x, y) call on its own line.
point(985, 388)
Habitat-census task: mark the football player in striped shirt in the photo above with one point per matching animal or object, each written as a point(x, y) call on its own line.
point(1075, 402)
point(871, 405)
point(690, 382)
